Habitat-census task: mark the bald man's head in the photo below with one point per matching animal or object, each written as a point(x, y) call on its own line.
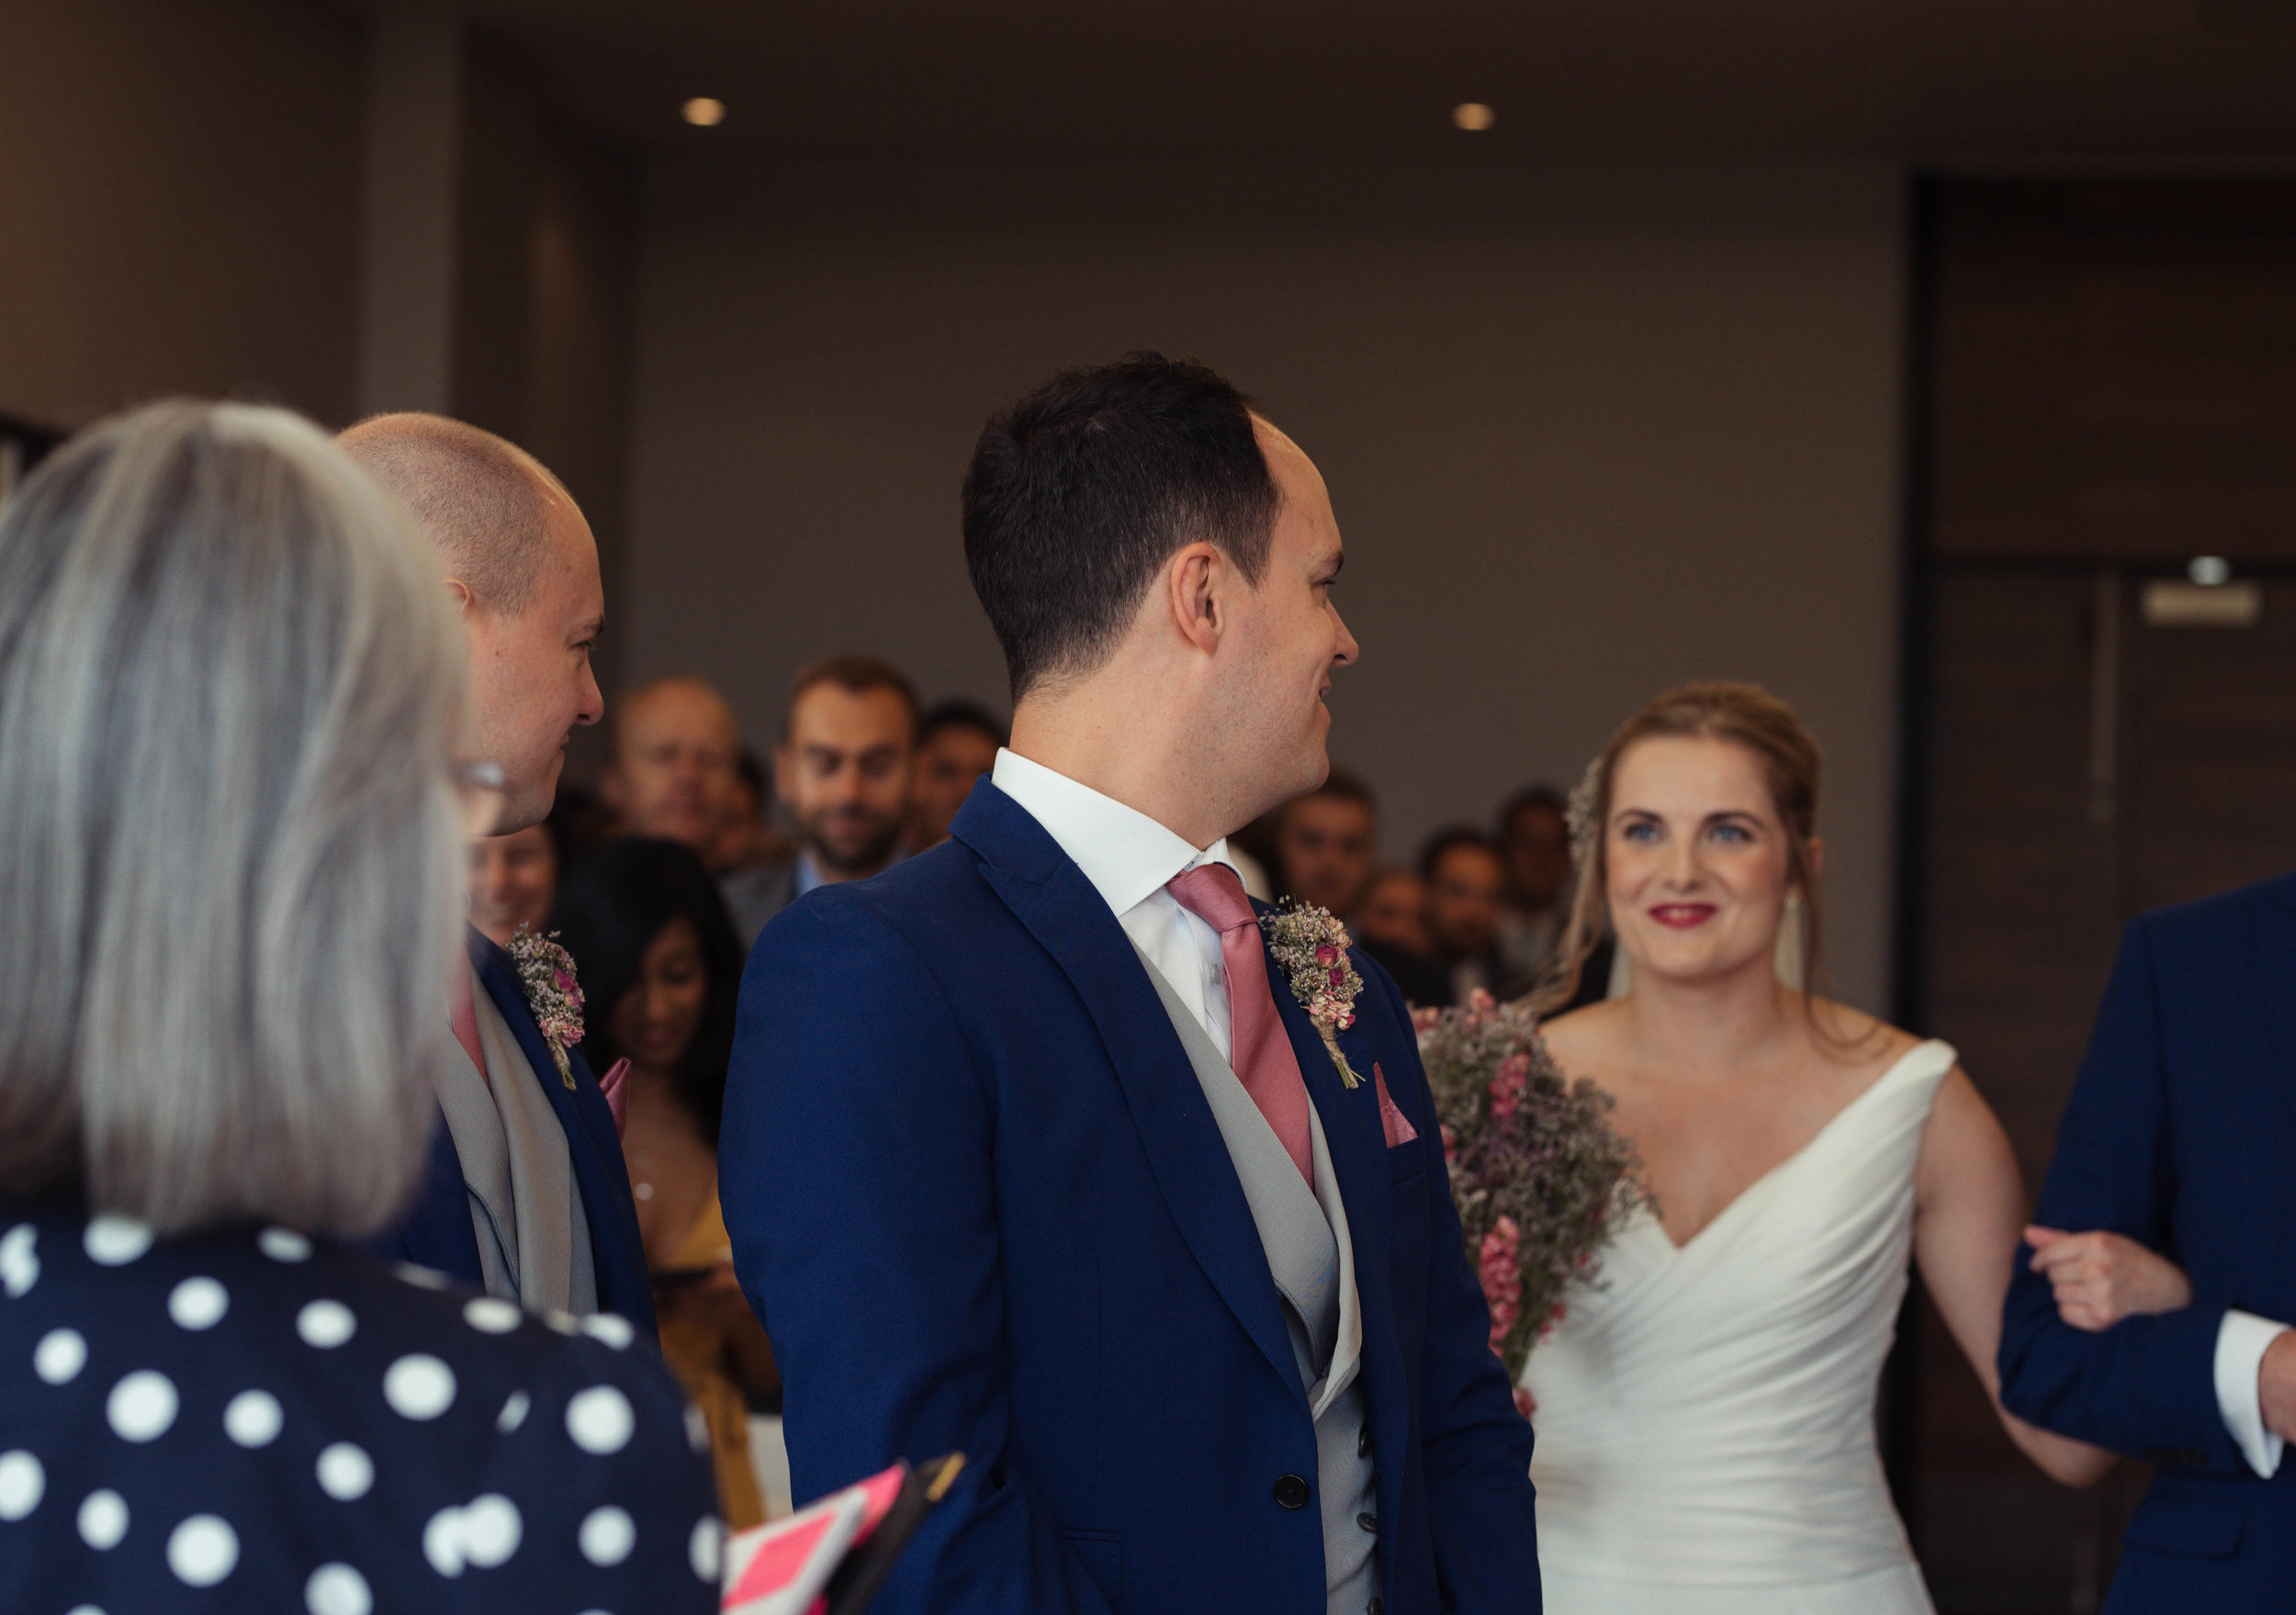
point(676, 746)
point(523, 569)
point(485, 502)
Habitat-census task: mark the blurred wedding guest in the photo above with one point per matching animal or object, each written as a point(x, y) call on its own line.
point(1391, 924)
point(230, 700)
point(1534, 839)
point(1466, 885)
point(748, 837)
point(957, 742)
point(673, 769)
point(513, 879)
point(526, 1196)
point(1324, 844)
point(660, 969)
point(844, 769)
point(1706, 1412)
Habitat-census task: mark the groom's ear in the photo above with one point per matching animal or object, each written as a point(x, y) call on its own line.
point(1193, 581)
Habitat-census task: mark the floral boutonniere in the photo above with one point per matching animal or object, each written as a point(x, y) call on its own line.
point(546, 971)
point(1312, 946)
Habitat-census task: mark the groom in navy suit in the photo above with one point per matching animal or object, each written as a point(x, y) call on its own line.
point(1031, 1151)
point(528, 1197)
point(2182, 1136)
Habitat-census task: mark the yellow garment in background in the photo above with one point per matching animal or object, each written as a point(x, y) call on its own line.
point(698, 1356)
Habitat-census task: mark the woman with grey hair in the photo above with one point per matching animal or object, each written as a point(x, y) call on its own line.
point(230, 693)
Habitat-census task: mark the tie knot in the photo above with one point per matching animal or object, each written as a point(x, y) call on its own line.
point(1214, 893)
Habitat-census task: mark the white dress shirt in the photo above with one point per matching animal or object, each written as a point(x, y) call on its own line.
point(1127, 857)
point(2241, 1340)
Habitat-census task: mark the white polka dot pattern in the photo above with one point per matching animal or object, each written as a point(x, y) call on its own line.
point(22, 1484)
point(424, 1278)
point(141, 1405)
point(600, 1420)
point(607, 1536)
point(419, 1386)
point(705, 1550)
point(60, 1356)
point(337, 1589)
point(253, 1418)
point(609, 1326)
point(491, 1530)
point(19, 1263)
point(284, 1245)
point(491, 1315)
point(345, 1471)
point(697, 1429)
point(202, 1550)
point(84, 1609)
point(325, 1323)
point(197, 1303)
point(114, 1241)
point(563, 1322)
point(103, 1520)
point(513, 1412)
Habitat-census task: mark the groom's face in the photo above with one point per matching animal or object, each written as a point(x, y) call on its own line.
point(1288, 636)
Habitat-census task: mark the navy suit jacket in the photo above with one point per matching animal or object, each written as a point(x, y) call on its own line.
point(2181, 1134)
point(436, 1230)
point(978, 1198)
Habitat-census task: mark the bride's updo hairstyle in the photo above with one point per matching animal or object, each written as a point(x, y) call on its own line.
point(1743, 715)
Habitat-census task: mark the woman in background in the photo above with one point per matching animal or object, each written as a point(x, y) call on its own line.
point(660, 969)
point(232, 867)
point(1706, 1412)
point(513, 881)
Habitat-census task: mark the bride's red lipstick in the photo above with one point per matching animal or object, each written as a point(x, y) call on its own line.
point(1682, 917)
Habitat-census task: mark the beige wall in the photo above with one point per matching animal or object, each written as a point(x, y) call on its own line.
point(178, 204)
point(1588, 433)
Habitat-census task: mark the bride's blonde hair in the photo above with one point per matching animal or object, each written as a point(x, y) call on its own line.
point(1743, 715)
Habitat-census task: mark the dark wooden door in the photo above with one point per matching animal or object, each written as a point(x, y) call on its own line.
point(2111, 397)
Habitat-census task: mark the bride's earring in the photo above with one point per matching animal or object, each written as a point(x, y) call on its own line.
point(1793, 900)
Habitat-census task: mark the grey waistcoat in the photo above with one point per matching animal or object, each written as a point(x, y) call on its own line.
point(1312, 1261)
point(533, 1238)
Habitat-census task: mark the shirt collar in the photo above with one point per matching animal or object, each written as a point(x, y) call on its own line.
point(1126, 855)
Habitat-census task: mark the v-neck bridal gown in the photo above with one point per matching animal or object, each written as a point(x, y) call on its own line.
point(1706, 1413)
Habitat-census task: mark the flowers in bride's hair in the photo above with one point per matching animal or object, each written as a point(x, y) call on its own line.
point(1311, 947)
point(1578, 815)
point(1540, 1176)
point(553, 991)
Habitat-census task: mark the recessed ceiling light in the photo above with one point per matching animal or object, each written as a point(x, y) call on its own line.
point(706, 112)
point(1473, 116)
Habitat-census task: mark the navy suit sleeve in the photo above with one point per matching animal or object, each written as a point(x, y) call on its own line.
point(2146, 1383)
point(856, 1171)
point(1476, 1446)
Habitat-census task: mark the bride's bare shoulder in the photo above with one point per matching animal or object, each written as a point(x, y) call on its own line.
point(1862, 1042)
point(1585, 1037)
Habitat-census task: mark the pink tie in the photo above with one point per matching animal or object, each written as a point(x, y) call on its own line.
point(1258, 1048)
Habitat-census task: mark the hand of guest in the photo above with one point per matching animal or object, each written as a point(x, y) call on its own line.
point(2276, 1385)
point(716, 1302)
point(2101, 1277)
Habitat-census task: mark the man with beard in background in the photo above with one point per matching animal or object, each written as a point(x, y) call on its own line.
point(845, 770)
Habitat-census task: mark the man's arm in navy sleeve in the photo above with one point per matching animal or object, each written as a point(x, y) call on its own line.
point(2148, 1383)
point(856, 1172)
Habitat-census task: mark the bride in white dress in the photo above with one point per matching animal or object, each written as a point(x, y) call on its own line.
point(1706, 1412)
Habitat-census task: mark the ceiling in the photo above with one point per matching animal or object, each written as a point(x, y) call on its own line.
point(1942, 80)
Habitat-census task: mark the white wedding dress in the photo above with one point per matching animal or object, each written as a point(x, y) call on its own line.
point(1706, 1413)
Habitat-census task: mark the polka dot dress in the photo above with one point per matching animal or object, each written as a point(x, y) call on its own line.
point(256, 1420)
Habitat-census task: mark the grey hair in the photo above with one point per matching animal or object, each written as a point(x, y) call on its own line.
point(482, 501)
point(230, 682)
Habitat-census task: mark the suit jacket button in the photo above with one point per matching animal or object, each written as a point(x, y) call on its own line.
point(1363, 1444)
point(1369, 1522)
point(1291, 1491)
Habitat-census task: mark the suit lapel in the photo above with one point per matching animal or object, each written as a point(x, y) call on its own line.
point(594, 1149)
point(1050, 895)
point(1356, 1139)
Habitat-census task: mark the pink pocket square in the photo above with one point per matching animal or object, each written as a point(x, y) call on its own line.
point(616, 1086)
point(1392, 1122)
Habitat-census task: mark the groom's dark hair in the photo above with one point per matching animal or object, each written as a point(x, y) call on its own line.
point(1079, 493)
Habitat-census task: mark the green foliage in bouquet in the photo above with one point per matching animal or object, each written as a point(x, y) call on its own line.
point(1541, 1177)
